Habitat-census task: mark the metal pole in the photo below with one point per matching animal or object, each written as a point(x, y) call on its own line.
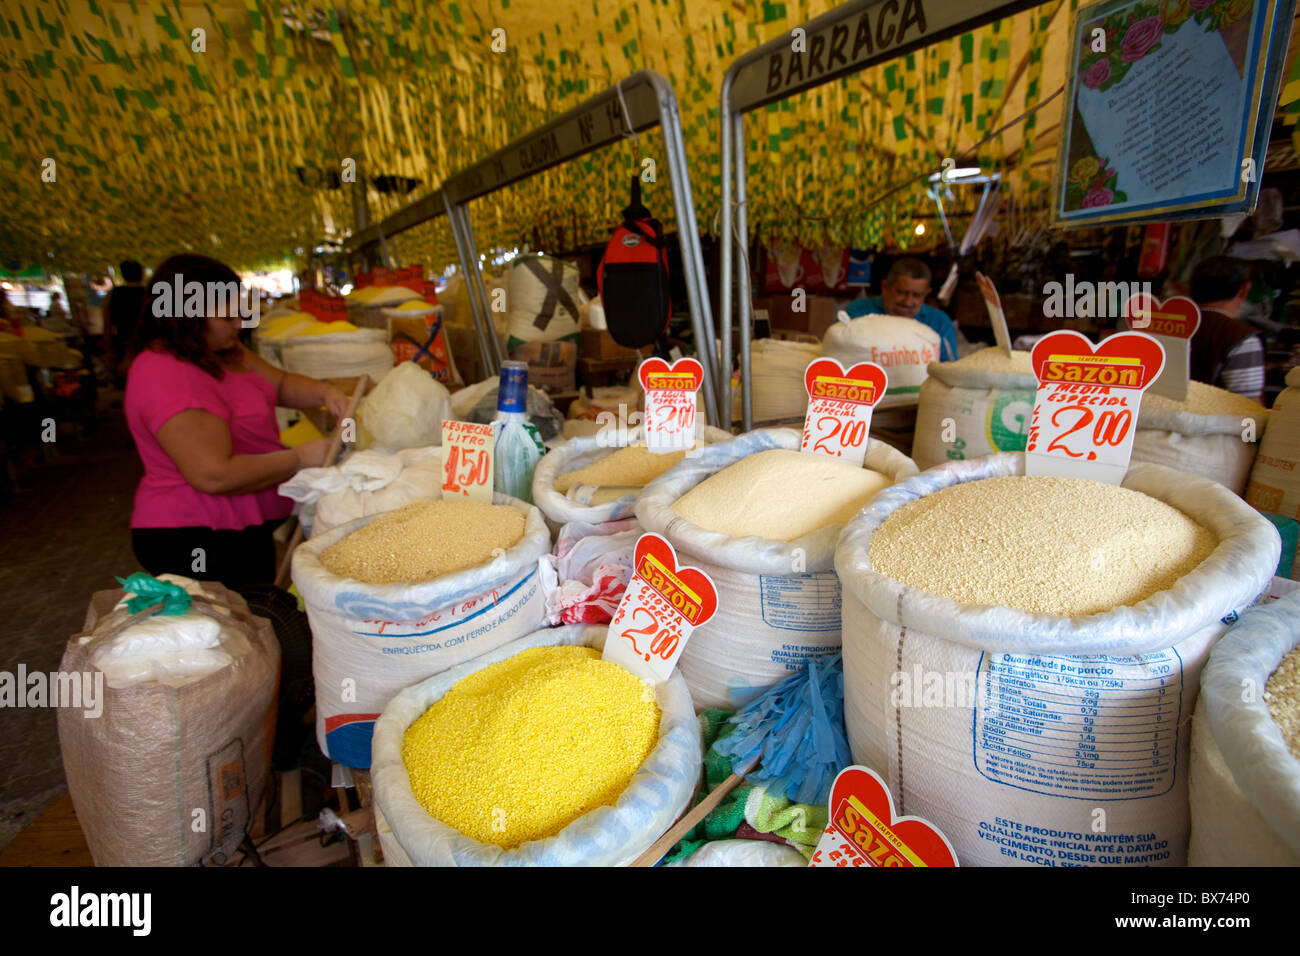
point(467, 230)
point(724, 291)
point(746, 293)
point(469, 265)
point(688, 237)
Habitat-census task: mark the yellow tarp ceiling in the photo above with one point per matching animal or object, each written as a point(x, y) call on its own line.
point(127, 133)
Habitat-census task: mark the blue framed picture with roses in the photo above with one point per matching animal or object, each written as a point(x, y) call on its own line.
point(1170, 108)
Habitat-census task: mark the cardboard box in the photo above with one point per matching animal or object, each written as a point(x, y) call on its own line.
point(599, 344)
point(818, 314)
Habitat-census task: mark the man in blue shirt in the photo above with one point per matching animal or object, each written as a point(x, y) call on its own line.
point(903, 294)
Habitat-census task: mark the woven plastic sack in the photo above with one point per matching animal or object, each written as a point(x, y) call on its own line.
point(984, 777)
point(778, 601)
point(156, 754)
point(990, 412)
point(777, 373)
point(1275, 477)
point(365, 483)
point(903, 347)
point(578, 453)
point(607, 836)
point(339, 355)
point(542, 310)
point(1207, 445)
point(1245, 782)
point(371, 640)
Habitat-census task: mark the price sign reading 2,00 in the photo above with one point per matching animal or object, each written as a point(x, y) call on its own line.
point(839, 436)
point(1111, 428)
point(659, 641)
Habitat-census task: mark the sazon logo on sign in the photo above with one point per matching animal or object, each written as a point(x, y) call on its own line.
point(1178, 317)
point(687, 590)
point(1126, 360)
point(684, 375)
point(864, 830)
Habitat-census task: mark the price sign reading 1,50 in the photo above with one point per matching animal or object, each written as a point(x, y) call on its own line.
point(467, 451)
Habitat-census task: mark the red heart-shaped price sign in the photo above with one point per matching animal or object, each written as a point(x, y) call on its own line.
point(839, 408)
point(1126, 360)
point(670, 403)
point(663, 604)
point(684, 375)
point(863, 830)
point(1086, 407)
point(863, 384)
point(1178, 317)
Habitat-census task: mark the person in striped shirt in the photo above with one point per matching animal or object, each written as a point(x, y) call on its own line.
point(1225, 352)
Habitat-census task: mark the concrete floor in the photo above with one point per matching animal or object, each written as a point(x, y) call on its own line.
point(65, 536)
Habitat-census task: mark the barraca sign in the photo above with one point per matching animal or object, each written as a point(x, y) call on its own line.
point(853, 37)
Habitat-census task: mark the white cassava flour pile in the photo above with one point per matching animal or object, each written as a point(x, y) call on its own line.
point(425, 540)
point(632, 467)
point(995, 360)
point(779, 494)
point(1205, 399)
point(1062, 546)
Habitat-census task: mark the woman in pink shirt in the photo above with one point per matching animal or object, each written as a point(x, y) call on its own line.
point(201, 408)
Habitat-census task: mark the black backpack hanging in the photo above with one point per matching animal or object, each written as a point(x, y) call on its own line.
point(633, 278)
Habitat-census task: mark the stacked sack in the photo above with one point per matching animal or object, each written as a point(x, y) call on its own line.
point(325, 350)
point(543, 305)
point(989, 400)
point(170, 770)
point(904, 348)
point(1275, 478)
point(777, 373)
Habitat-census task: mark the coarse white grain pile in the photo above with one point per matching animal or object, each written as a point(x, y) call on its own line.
point(995, 360)
point(779, 495)
point(1205, 434)
point(1047, 545)
point(1283, 696)
point(1003, 677)
point(632, 467)
point(425, 540)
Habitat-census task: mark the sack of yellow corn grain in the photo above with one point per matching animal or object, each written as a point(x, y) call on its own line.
point(372, 639)
point(168, 765)
point(593, 480)
point(1244, 777)
point(1021, 655)
point(974, 407)
point(764, 529)
point(1275, 478)
point(1213, 433)
point(611, 834)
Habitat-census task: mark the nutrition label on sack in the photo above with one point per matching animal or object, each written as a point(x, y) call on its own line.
point(1098, 728)
point(801, 602)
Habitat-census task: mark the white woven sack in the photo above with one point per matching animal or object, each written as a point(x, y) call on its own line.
point(371, 640)
point(1275, 478)
point(607, 836)
point(1244, 781)
point(990, 412)
point(777, 376)
point(527, 297)
point(1207, 445)
point(1014, 787)
point(770, 617)
point(339, 354)
point(580, 452)
point(903, 347)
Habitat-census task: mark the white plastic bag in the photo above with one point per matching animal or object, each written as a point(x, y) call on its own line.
point(371, 640)
point(1245, 783)
point(778, 601)
point(731, 853)
point(1074, 686)
point(365, 483)
point(585, 579)
point(406, 409)
point(607, 836)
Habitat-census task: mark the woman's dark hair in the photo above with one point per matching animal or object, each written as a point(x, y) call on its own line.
point(1218, 278)
point(180, 335)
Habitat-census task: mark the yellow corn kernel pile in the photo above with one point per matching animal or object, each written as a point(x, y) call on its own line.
point(634, 465)
point(1062, 546)
point(1282, 693)
point(520, 749)
point(425, 540)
